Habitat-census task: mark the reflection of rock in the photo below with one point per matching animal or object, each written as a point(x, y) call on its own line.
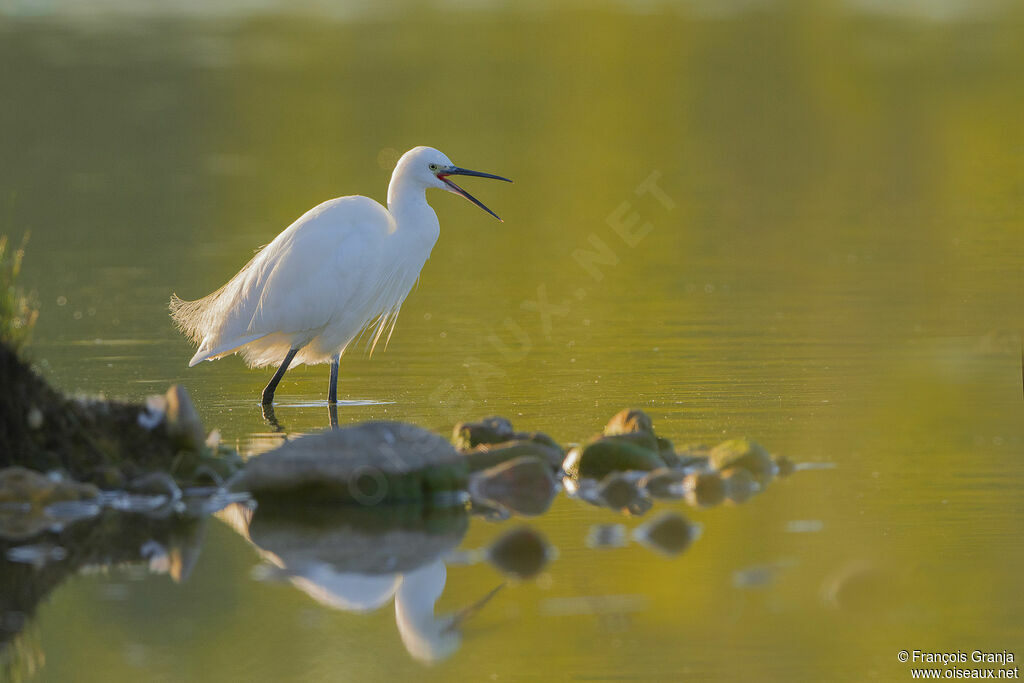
point(740, 485)
point(26, 497)
point(369, 463)
point(743, 453)
point(524, 486)
point(520, 553)
point(618, 492)
point(669, 533)
point(664, 483)
point(704, 489)
point(20, 485)
point(784, 466)
point(357, 559)
point(607, 536)
point(167, 545)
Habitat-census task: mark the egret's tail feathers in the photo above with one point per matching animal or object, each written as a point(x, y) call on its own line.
point(206, 352)
point(189, 315)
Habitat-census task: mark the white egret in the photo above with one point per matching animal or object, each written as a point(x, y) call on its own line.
point(344, 266)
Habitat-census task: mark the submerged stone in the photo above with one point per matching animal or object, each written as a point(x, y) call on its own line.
point(668, 533)
point(743, 453)
point(524, 486)
point(370, 463)
point(521, 553)
point(609, 454)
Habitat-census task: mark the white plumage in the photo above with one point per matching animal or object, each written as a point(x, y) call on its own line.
point(343, 266)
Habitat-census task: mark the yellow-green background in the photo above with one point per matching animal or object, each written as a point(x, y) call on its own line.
point(841, 277)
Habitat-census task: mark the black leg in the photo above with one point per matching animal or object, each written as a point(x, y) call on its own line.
point(332, 415)
point(332, 390)
point(268, 391)
point(271, 418)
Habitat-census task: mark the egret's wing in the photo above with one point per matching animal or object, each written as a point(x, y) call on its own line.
point(323, 270)
point(295, 284)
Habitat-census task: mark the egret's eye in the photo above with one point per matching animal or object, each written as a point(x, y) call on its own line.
point(433, 167)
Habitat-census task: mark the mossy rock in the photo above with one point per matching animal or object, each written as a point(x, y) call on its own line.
point(743, 453)
point(599, 458)
point(489, 456)
point(490, 430)
point(368, 464)
point(628, 421)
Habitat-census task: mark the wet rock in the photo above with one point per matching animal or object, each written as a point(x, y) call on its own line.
point(667, 452)
point(628, 421)
point(740, 485)
point(784, 466)
point(490, 430)
point(664, 483)
point(21, 485)
point(521, 553)
point(669, 533)
point(524, 486)
point(610, 454)
point(491, 455)
point(704, 489)
point(183, 424)
point(742, 453)
point(367, 464)
point(618, 492)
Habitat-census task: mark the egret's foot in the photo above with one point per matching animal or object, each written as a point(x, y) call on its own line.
point(271, 418)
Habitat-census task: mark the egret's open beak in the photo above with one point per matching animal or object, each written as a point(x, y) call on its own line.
point(455, 170)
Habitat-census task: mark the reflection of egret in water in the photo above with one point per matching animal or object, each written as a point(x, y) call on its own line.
point(357, 559)
point(427, 637)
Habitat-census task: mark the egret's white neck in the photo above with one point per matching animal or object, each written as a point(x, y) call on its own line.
point(407, 203)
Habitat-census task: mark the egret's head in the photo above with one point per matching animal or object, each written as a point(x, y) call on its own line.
point(431, 168)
